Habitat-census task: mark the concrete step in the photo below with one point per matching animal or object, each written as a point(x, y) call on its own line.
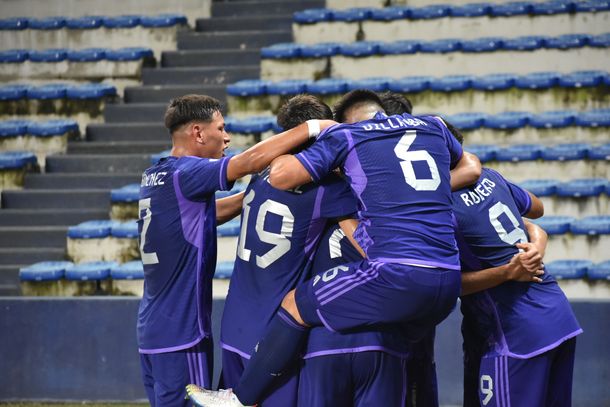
point(9, 279)
point(31, 255)
point(208, 58)
point(199, 76)
point(57, 198)
point(128, 131)
point(33, 236)
point(253, 39)
point(163, 94)
point(50, 217)
point(79, 181)
point(102, 163)
point(140, 112)
point(246, 23)
point(262, 8)
point(118, 147)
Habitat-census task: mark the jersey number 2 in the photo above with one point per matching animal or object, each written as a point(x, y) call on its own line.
point(408, 157)
point(144, 206)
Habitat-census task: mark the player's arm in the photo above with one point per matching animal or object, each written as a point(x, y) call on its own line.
point(287, 172)
point(349, 226)
point(228, 208)
point(259, 156)
point(536, 246)
point(536, 209)
point(466, 172)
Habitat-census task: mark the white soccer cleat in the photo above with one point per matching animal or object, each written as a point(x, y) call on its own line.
point(210, 398)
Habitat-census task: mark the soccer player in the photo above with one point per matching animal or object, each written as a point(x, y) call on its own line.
point(279, 233)
point(177, 227)
point(398, 167)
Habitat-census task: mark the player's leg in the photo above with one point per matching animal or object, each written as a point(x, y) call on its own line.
point(233, 366)
point(559, 392)
point(422, 389)
point(326, 381)
point(171, 372)
point(147, 378)
point(379, 379)
point(284, 391)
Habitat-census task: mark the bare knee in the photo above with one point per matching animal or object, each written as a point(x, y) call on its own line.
point(290, 305)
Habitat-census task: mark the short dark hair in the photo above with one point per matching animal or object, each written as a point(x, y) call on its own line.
point(455, 131)
point(353, 98)
point(188, 108)
point(301, 108)
point(395, 103)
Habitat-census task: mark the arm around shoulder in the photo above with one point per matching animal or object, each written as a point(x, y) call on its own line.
point(287, 172)
point(466, 172)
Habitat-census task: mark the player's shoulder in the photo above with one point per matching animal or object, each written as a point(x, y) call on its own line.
point(189, 162)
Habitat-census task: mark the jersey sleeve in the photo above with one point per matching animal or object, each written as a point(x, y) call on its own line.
point(338, 200)
point(521, 196)
point(454, 146)
point(326, 154)
point(201, 177)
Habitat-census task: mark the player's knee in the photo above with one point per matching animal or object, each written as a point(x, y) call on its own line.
point(289, 304)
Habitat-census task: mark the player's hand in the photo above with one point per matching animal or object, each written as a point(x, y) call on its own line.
point(517, 271)
point(531, 258)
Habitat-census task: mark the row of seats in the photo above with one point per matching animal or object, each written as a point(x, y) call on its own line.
point(131, 193)
point(488, 44)
point(16, 128)
point(577, 188)
point(530, 152)
point(81, 55)
point(91, 22)
point(57, 91)
point(312, 16)
point(578, 269)
point(590, 225)
point(12, 160)
point(414, 84)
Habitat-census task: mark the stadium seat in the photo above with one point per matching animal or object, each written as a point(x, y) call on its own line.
point(441, 46)
point(125, 230)
point(163, 20)
point(411, 84)
point(452, 83)
point(507, 120)
point(48, 55)
point(519, 152)
point(541, 187)
point(591, 5)
point(468, 121)
point(601, 41)
point(237, 188)
point(512, 8)
point(591, 225)
point(92, 229)
point(594, 118)
point(555, 225)
point(390, 13)
point(471, 10)
point(90, 271)
point(360, 48)
point(568, 269)
point(256, 124)
point(287, 87)
point(87, 54)
point(14, 56)
point(352, 14)
point(328, 86)
point(48, 23)
point(129, 54)
point(11, 129)
point(224, 269)
point(581, 79)
point(498, 81)
point(14, 92)
point(599, 152)
point(84, 23)
point(553, 119)
point(14, 23)
point(91, 91)
point(564, 152)
point(486, 44)
point(485, 152)
point(377, 84)
point(231, 228)
point(283, 50)
point(312, 16)
point(45, 271)
point(50, 91)
point(126, 21)
point(600, 271)
point(131, 270)
point(52, 127)
point(128, 193)
point(582, 187)
point(154, 158)
point(323, 49)
point(399, 47)
point(537, 80)
point(430, 12)
point(567, 41)
point(10, 160)
point(248, 87)
point(552, 7)
point(527, 43)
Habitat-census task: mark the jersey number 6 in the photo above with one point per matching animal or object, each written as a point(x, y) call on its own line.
point(408, 157)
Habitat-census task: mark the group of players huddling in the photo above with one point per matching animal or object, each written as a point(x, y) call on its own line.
point(357, 238)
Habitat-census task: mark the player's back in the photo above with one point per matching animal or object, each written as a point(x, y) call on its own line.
point(489, 224)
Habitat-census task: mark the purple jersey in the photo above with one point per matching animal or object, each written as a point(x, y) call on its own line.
point(516, 319)
point(335, 250)
point(398, 167)
point(279, 233)
point(177, 229)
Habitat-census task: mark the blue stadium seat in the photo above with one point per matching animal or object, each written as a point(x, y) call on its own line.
point(411, 84)
point(256, 124)
point(592, 5)
point(231, 228)
point(538, 80)
point(87, 54)
point(486, 44)
point(599, 152)
point(90, 271)
point(48, 55)
point(512, 8)
point(128, 193)
point(90, 91)
point(92, 229)
point(568, 269)
point(591, 225)
point(452, 83)
point(376, 84)
point(127, 21)
point(527, 43)
point(129, 54)
point(312, 16)
point(429, 12)
point(541, 187)
point(16, 159)
point(231, 151)
point(594, 118)
point(125, 230)
point(154, 158)
point(49, 91)
point(14, 92)
point(52, 127)
point(471, 10)
point(45, 271)
point(553, 119)
point(507, 120)
point(566, 152)
point(323, 49)
point(14, 23)
point(600, 41)
point(600, 271)
point(47, 23)
point(327, 86)
point(352, 14)
point(441, 46)
point(581, 79)
point(132, 270)
point(552, 7)
point(468, 121)
point(519, 152)
point(13, 128)
point(276, 128)
point(239, 187)
point(399, 47)
point(567, 41)
point(287, 87)
point(390, 13)
point(283, 50)
point(360, 48)
point(496, 81)
point(14, 56)
point(224, 269)
point(163, 20)
point(248, 87)
point(555, 225)
point(485, 152)
point(84, 23)
point(582, 187)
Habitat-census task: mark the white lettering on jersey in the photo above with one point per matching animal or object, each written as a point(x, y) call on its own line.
point(153, 180)
point(481, 191)
point(394, 122)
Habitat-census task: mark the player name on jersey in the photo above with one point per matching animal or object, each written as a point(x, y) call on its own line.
point(154, 179)
point(394, 122)
point(478, 194)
